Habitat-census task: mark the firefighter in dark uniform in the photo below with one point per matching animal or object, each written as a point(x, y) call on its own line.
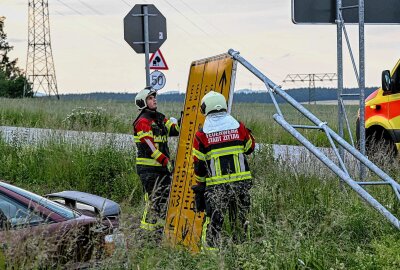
point(154, 167)
point(221, 169)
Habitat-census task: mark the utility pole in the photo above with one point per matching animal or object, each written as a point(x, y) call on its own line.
point(310, 78)
point(2, 18)
point(40, 71)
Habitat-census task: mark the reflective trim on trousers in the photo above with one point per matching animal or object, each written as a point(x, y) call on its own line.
point(147, 225)
point(248, 145)
point(228, 178)
point(200, 179)
point(204, 232)
point(143, 224)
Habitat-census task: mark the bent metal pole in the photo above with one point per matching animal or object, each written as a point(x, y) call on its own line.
point(357, 155)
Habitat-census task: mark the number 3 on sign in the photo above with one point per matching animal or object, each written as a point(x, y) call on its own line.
point(157, 80)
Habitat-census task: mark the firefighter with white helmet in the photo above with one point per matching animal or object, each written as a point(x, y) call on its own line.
point(222, 171)
point(154, 167)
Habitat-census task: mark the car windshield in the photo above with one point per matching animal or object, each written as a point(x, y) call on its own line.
point(52, 206)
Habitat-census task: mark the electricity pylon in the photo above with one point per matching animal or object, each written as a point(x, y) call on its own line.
point(40, 70)
point(310, 78)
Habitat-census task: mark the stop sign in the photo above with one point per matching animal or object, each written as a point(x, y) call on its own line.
point(134, 28)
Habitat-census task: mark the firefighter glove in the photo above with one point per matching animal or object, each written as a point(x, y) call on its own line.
point(173, 120)
point(170, 166)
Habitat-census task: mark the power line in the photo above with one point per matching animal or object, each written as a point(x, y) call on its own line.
point(90, 7)
point(84, 25)
point(194, 24)
point(71, 8)
point(126, 3)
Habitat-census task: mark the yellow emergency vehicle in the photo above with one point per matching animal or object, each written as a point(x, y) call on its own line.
point(382, 113)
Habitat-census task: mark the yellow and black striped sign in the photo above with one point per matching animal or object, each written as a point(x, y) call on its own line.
point(183, 226)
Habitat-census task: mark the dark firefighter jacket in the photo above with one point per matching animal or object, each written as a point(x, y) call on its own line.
point(219, 157)
point(151, 130)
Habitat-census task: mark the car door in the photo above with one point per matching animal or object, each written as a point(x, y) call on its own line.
point(394, 102)
point(27, 231)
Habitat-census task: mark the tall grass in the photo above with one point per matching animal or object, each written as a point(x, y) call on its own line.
point(54, 166)
point(117, 117)
point(298, 221)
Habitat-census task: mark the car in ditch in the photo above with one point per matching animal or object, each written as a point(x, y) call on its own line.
point(65, 228)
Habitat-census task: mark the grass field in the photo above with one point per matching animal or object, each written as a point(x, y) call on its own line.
point(298, 221)
point(117, 117)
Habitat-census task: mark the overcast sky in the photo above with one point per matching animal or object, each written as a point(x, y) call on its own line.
point(90, 53)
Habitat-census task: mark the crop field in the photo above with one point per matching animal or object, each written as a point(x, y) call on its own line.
point(298, 220)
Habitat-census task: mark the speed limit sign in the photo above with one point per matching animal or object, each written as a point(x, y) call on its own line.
point(157, 80)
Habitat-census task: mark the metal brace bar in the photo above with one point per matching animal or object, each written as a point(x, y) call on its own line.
point(335, 149)
point(306, 127)
point(270, 92)
point(347, 122)
point(349, 95)
point(142, 15)
point(349, 48)
point(142, 42)
point(372, 183)
point(349, 7)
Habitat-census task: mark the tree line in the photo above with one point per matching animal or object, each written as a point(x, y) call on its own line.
point(299, 94)
point(12, 79)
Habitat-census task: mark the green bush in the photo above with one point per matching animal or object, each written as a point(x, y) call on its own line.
point(83, 118)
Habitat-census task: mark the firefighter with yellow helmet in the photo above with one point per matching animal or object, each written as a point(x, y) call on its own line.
point(154, 167)
point(221, 169)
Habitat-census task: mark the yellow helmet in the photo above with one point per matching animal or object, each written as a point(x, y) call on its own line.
point(213, 101)
point(140, 99)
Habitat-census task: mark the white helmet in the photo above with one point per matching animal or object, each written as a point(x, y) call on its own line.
point(140, 99)
point(213, 101)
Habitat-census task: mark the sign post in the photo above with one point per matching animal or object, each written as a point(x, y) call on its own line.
point(145, 30)
point(146, 42)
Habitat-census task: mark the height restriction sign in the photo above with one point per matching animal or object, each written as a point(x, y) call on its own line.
point(157, 61)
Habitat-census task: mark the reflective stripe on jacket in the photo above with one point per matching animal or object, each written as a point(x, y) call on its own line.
point(219, 157)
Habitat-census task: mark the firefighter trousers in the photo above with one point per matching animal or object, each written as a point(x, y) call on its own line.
point(156, 187)
point(233, 199)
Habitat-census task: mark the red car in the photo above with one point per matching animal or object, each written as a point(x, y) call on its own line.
point(69, 227)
